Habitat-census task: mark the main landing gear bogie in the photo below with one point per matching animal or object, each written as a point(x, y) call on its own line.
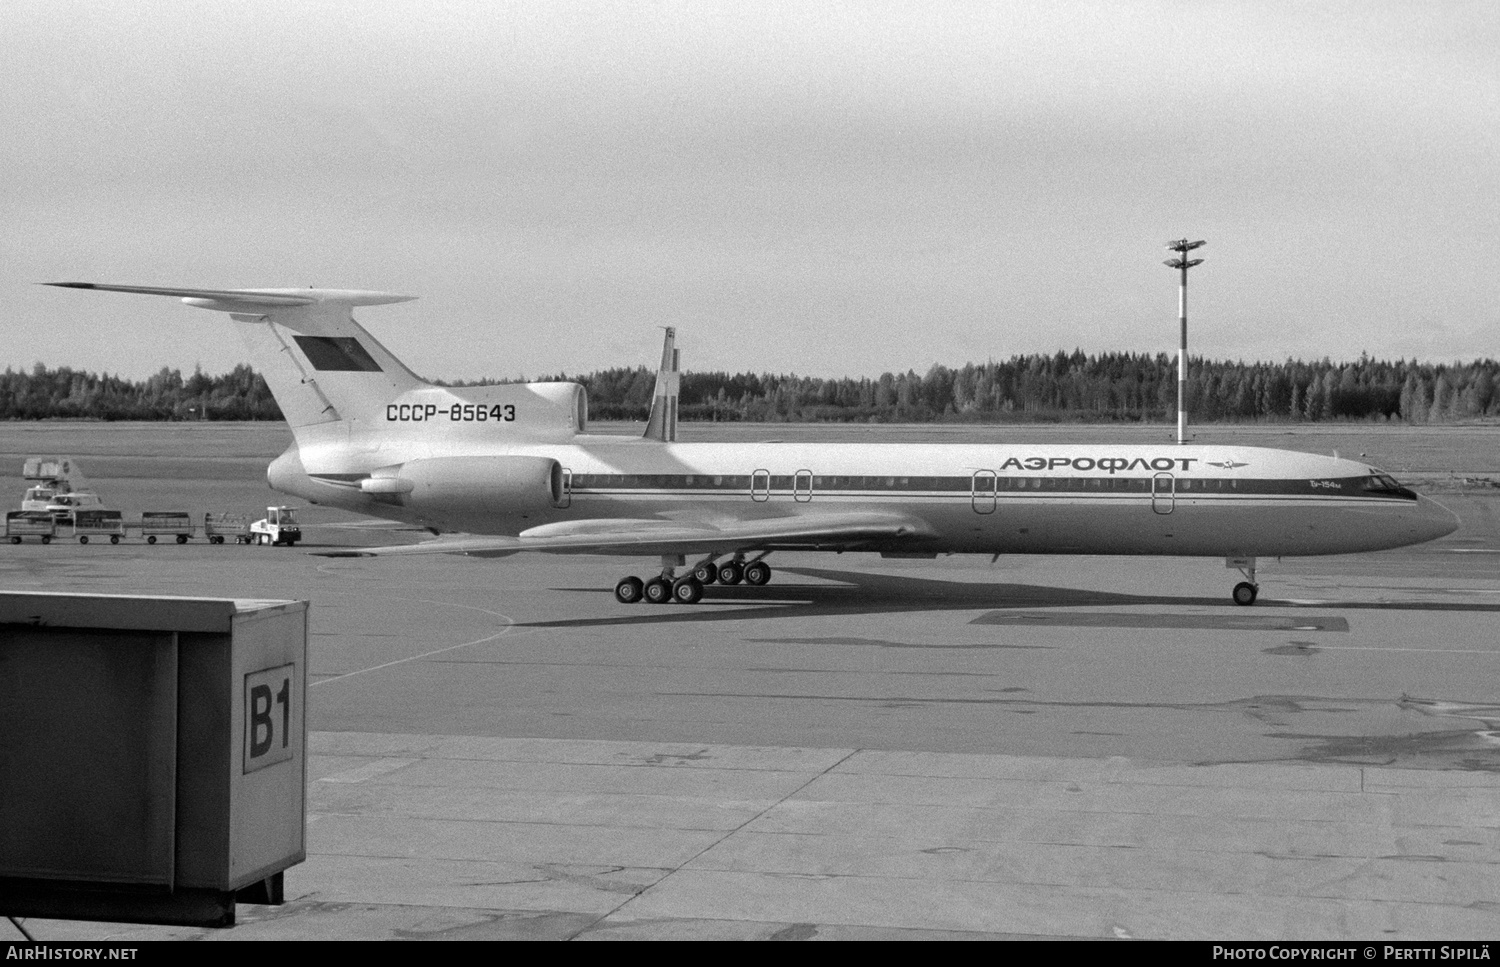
point(688, 589)
point(756, 573)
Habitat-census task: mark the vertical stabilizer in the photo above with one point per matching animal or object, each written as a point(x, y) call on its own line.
point(662, 424)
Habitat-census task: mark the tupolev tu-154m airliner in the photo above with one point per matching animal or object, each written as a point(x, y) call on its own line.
point(495, 470)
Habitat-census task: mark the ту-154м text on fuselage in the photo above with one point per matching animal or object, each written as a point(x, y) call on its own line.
point(494, 470)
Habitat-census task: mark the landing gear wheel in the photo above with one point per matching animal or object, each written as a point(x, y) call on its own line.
point(15, 540)
point(629, 591)
point(46, 539)
point(658, 591)
point(706, 573)
point(1245, 593)
point(757, 573)
point(688, 590)
point(731, 573)
point(182, 538)
point(151, 539)
point(83, 540)
point(114, 539)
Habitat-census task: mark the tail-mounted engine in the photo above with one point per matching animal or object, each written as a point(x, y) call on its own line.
point(467, 487)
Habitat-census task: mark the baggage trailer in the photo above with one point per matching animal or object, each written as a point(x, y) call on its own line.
point(216, 527)
point(98, 523)
point(166, 523)
point(29, 523)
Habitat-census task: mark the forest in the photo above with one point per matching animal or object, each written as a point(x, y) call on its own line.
point(1109, 387)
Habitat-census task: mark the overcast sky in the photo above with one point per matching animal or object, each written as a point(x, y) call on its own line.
point(813, 187)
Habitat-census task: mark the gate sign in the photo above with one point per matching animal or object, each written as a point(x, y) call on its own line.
point(268, 717)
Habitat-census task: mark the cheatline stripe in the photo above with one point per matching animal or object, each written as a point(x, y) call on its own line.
point(981, 487)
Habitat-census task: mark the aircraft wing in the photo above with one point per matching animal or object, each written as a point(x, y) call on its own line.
point(804, 532)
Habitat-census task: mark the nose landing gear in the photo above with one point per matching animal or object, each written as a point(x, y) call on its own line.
point(1247, 590)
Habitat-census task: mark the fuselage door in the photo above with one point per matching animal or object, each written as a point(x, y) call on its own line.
point(802, 486)
point(982, 492)
point(1163, 493)
point(760, 485)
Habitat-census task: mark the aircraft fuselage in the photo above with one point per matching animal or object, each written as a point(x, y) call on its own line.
point(1093, 499)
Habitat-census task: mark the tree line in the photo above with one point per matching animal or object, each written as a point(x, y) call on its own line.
point(65, 393)
point(1126, 387)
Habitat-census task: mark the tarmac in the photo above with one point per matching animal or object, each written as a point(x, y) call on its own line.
point(1048, 747)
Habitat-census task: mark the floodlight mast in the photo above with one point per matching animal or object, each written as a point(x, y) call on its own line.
point(1182, 247)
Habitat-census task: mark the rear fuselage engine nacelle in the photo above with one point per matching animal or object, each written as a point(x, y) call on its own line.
point(458, 492)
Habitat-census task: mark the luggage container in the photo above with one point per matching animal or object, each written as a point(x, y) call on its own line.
point(166, 523)
point(217, 527)
point(98, 523)
point(29, 523)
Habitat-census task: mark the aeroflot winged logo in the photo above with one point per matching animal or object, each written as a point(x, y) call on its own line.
point(1226, 464)
point(1111, 464)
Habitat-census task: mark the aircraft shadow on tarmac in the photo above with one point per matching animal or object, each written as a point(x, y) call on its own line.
point(863, 593)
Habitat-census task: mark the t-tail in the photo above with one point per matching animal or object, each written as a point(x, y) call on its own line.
point(354, 408)
point(321, 365)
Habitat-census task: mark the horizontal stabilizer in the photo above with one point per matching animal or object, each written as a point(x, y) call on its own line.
point(249, 300)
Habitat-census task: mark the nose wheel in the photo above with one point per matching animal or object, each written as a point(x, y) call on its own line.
point(1244, 593)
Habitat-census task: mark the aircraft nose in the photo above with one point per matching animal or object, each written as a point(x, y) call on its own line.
point(1433, 520)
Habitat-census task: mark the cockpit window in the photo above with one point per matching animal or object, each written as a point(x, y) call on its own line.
point(1381, 483)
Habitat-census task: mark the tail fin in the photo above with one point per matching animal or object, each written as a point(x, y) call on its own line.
point(320, 364)
point(662, 424)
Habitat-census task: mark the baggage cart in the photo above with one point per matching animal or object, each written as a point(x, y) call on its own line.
point(166, 523)
point(217, 527)
point(98, 524)
point(29, 523)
